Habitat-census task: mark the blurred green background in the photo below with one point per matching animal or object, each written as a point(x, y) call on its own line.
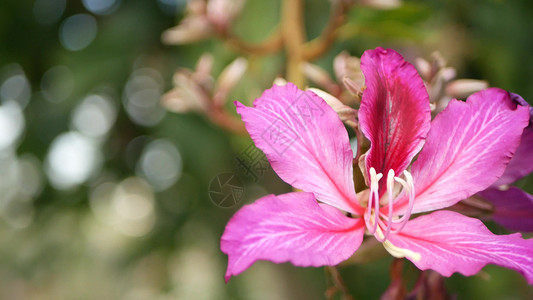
point(104, 194)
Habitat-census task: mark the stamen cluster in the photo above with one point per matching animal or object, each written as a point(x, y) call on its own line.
point(377, 221)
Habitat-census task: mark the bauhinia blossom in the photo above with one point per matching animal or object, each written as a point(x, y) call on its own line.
point(513, 207)
point(464, 150)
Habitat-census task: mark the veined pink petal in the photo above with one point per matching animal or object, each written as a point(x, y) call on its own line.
point(522, 162)
point(394, 112)
point(449, 242)
point(305, 142)
point(513, 208)
point(467, 149)
point(289, 228)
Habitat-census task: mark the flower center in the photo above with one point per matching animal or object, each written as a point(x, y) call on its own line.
point(382, 224)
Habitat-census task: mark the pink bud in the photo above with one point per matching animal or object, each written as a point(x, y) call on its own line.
point(381, 4)
point(346, 66)
point(346, 113)
point(190, 30)
point(229, 77)
point(317, 74)
point(222, 12)
point(186, 96)
point(462, 88)
point(423, 67)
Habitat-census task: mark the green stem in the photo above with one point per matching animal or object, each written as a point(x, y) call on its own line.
point(293, 34)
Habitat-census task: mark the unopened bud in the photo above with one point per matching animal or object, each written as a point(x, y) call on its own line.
point(462, 88)
point(346, 66)
point(317, 74)
point(381, 4)
point(424, 68)
point(222, 12)
point(447, 73)
point(330, 99)
point(204, 65)
point(438, 62)
point(353, 87)
point(190, 30)
point(280, 81)
point(186, 96)
point(346, 113)
point(229, 77)
point(178, 101)
point(196, 7)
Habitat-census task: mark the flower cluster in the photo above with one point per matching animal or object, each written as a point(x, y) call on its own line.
point(467, 150)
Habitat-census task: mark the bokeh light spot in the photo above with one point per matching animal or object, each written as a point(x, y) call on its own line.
point(15, 85)
point(101, 7)
point(72, 159)
point(94, 116)
point(142, 95)
point(57, 84)
point(128, 207)
point(12, 124)
point(78, 31)
point(160, 164)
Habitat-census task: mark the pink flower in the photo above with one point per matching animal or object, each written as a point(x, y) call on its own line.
point(512, 207)
point(464, 150)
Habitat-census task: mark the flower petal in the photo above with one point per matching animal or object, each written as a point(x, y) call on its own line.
point(305, 142)
point(522, 163)
point(291, 227)
point(394, 112)
point(467, 148)
point(449, 242)
point(513, 208)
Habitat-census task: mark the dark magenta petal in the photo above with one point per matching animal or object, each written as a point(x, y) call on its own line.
point(292, 228)
point(449, 242)
point(467, 149)
point(305, 142)
point(520, 101)
point(513, 208)
point(522, 162)
point(394, 112)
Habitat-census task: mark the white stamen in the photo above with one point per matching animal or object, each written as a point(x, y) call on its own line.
point(373, 196)
point(377, 223)
point(408, 185)
point(390, 188)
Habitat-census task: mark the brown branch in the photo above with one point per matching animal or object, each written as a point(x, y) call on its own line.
point(292, 29)
point(271, 44)
point(224, 119)
point(336, 284)
point(318, 46)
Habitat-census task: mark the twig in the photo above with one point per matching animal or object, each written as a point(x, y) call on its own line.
point(337, 284)
point(318, 46)
point(271, 44)
point(293, 37)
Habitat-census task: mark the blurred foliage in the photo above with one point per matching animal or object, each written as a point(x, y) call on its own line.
point(69, 243)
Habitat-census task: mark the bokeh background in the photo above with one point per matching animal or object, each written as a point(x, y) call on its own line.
point(104, 193)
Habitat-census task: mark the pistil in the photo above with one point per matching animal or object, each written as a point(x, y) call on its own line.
point(375, 220)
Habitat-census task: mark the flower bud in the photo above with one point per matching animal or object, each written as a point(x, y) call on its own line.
point(423, 67)
point(346, 113)
point(229, 77)
point(346, 66)
point(186, 96)
point(190, 30)
point(317, 75)
point(280, 81)
point(462, 88)
point(381, 4)
point(222, 12)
